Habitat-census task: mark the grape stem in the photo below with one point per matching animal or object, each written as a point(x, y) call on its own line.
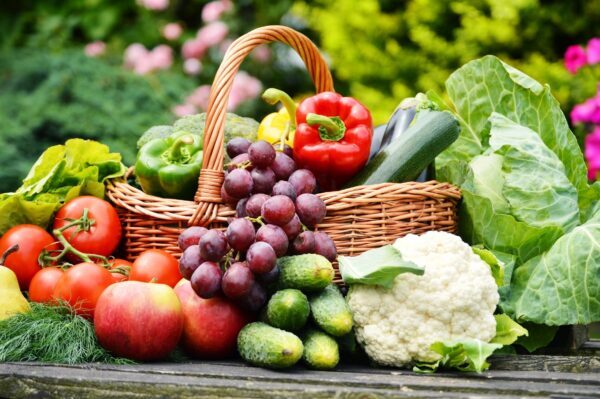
point(258, 220)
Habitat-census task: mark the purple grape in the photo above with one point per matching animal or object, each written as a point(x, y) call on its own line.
point(238, 183)
point(191, 236)
point(325, 246)
point(261, 257)
point(269, 277)
point(228, 199)
point(206, 280)
point(292, 228)
point(263, 180)
point(275, 237)
point(237, 146)
point(303, 181)
point(213, 245)
point(304, 243)
point(254, 204)
point(311, 209)
point(283, 166)
point(240, 208)
point(287, 150)
point(239, 160)
point(237, 280)
point(278, 210)
point(189, 261)
point(283, 187)
point(256, 298)
point(240, 234)
point(261, 154)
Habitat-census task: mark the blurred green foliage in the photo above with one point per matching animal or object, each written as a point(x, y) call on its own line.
point(385, 50)
point(46, 98)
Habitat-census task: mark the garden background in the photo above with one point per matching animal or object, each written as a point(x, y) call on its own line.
point(110, 69)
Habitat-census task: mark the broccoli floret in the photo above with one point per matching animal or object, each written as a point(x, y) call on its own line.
point(155, 132)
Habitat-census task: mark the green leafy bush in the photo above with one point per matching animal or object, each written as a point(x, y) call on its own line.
point(47, 98)
point(385, 50)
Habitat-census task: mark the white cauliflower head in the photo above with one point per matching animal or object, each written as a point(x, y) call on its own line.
point(454, 299)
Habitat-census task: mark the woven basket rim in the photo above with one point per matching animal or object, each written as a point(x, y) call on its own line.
point(134, 199)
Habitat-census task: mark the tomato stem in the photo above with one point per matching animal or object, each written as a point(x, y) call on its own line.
point(84, 223)
point(6, 253)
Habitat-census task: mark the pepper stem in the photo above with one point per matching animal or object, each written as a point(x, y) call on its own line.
point(330, 129)
point(273, 96)
point(176, 152)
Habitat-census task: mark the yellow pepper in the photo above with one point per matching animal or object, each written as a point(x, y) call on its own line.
point(278, 127)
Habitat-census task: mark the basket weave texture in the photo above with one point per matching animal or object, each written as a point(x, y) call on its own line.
point(358, 218)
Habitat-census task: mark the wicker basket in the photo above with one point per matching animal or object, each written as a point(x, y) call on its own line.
point(358, 218)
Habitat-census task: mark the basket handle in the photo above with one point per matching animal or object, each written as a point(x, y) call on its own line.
point(208, 195)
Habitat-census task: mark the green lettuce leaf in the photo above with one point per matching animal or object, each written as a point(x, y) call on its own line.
point(463, 355)
point(378, 266)
point(62, 172)
point(561, 286)
point(507, 330)
point(488, 85)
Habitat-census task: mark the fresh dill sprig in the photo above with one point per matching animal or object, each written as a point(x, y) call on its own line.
point(53, 334)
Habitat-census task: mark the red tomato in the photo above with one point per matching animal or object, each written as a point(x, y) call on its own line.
point(105, 232)
point(24, 262)
point(43, 283)
point(81, 287)
point(156, 265)
point(120, 263)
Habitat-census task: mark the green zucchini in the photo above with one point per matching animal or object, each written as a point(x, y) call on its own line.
point(407, 156)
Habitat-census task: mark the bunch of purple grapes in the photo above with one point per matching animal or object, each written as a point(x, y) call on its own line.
point(275, 212)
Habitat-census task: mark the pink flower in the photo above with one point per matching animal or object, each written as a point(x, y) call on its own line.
point(261, 54)
point(142, 61)
point(161, 57)
point(245, 87)
point(593, 51)
point(156, 5)
point(224, 46)
point(199, 97)
point(212, 11)
point(94, 49)
point(192, 66)
point(575, 58)
point(172, 31)
point(213, 33)
point(592, 153)
point(588, 111)
point(184, 109)
point(194, 48)
point(133, 53)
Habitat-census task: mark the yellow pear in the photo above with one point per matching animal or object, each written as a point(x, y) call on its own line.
point(12, 300)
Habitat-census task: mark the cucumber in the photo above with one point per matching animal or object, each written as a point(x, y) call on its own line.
point(288, 309)
point(307, 273)
point(265, 346)
point(331, 312)
point(405, 158)
point(321, 352)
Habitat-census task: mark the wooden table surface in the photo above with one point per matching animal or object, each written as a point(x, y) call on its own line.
point(512, 376)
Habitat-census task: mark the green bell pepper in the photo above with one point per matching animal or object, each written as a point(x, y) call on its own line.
point(169, 167)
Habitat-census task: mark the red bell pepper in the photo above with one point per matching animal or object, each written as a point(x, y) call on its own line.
point(333, 138)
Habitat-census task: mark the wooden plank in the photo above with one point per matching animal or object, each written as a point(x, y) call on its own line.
point(234, 380)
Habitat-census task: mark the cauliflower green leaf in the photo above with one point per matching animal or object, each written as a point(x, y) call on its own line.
point(378, 266)
point(463, 355)
point(507, 330)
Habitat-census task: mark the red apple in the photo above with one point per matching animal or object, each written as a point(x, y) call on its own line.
point(211, 326)
point(140, 321)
